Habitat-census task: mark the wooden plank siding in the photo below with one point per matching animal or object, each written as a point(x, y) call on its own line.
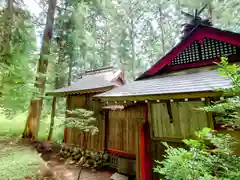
point(122, 129)
point(186, 119)
point(94, 142)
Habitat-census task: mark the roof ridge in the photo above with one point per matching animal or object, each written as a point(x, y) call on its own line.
point(99, 70)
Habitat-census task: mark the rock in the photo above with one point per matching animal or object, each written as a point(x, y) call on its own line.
point(94, 170)
point(82, 160)
point(45, 171)
point(117, 176)
point(105, 156)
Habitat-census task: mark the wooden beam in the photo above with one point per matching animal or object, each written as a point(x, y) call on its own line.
point(75, 92)
point(121, 153)
point(161, 97)
point(209, 114)
point(142, 153)
point(145, 149)
point(163, 139)
point(53, 113)
point(150, 119)
point(138, 167)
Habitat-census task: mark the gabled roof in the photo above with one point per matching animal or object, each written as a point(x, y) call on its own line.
point(93, 80)
point(174, 83)
point(198, 34)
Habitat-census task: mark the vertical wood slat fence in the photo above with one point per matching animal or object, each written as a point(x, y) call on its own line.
point(120, 132)
point(122, 128)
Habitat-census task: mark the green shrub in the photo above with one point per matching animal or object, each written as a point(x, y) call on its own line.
point(208, 157)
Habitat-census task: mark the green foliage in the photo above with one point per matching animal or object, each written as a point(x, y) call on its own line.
point(228, 110)
point(16, 78)
point(207, 157)
point(81, 119)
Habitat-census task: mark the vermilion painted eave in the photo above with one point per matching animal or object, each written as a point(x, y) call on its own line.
point(199, 34)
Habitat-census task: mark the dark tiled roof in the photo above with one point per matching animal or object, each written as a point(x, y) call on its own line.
point(91, 81)
point(183, 82)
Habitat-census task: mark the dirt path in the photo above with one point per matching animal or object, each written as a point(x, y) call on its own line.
point(63, 171)
point(66, 171)
point(52, 169)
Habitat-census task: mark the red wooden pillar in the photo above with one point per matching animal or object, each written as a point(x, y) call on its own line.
point(65, 135)
point(145, 153)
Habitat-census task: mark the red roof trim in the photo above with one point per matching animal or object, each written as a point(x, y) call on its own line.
point(199, 34)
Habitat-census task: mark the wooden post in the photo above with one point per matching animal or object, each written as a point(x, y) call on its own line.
point(138, 168)
point(53, 113)
point(145, 153)
point(209, 114)
point(142, 153)
point(106, 134)
point(147, 138)
point(66, 115)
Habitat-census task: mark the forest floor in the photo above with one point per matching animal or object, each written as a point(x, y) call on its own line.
point(19, 159)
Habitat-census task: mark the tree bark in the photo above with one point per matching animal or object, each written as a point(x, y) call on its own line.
point(133, 48)
point(52, 117)
point(31, 127)
point(60, 76)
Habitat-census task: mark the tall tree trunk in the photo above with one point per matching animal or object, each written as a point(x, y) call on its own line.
point(70, 51)
point(70, 65)
point(60, 76)
point(53, 113)
point(162, 31)
point(6, 44)
point(5, 41)
point(31, 128)
point(133, 48)
point(106, 47)
point(93, 64)
point(210, 11)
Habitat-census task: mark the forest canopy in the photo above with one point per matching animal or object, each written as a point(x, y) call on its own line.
point(129, 34)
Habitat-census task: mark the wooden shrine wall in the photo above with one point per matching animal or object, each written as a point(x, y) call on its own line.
point(185, 119)
point(74, 137)
point(122, 128)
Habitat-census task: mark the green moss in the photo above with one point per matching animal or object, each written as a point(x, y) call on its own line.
point(17, 161)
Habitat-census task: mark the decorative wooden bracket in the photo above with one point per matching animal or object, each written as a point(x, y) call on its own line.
point(169, 109)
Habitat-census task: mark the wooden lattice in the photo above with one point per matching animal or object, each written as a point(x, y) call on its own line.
point(212, 49)
point(209, 49)
point(189, 55)
point(113, 160)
